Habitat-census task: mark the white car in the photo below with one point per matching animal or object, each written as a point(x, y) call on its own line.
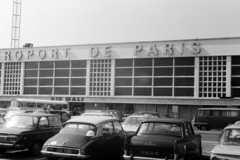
point(131, 123)
point(228, 146)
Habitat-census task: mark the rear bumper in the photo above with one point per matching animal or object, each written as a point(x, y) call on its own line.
point(126, 157)
point(65, 155)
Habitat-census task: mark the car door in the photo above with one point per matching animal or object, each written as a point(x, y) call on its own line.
point(44, 129)
point(55, 125)
point(110, 138)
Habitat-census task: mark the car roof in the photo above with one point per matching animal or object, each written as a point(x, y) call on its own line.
point(167, 120)
point(95, 120)
point(140, 116)
point(150, 112)
point(233, 126)
point(34, 115)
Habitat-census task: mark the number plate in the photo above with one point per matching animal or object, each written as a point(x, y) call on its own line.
point(63, 150)
point(149, 153)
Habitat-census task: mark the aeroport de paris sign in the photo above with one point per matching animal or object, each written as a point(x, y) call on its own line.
point(156, 49)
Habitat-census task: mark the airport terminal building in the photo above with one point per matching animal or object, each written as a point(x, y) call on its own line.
point(172, 77)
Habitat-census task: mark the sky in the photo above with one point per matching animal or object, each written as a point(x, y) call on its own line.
point(73, 22)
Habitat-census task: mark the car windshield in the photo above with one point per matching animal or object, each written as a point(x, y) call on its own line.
point(230, 137)
point(160, 128)
point(80, 129)
point(27, 122)
point(133, 120)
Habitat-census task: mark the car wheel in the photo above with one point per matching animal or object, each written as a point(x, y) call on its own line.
point(35, 149)
point(203, 128)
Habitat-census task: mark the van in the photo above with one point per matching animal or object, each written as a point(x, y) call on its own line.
point(215, 118)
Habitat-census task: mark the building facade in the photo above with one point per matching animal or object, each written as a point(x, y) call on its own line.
point(172, 77)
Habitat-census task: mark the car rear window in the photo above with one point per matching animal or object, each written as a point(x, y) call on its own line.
point(133, 120)
point(79, 128)
point(160, 128)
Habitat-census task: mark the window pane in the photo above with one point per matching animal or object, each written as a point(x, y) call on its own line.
point(78, 81)
point(46, 73)
point(79, 64)
point(142, 91)
point(45, 82)
point(31, 65)
point(123, 91)
point(162, 92)
point(235, 60)
point(61, 82)
point(184, 82)
point(142, 81)
point(77, 91)
point(143, 62)
point(62, 73)
point(235, 81)
point(184, 92)
point(162, 81)
point(30, 90)
point(235, 70)
point(62, 64)
point(61, 90)
point(31, 73)
point(78, 72)
point(163, 62)
point(184, 61)
point(163, 71)
point(45, 90)
point(30, 82)
point(124, 62)
point(124, 72)
point(184, 71)
point(143, 71)
point(46, 64)
point(123, 82)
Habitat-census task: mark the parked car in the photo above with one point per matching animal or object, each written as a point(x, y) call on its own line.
point(215, 118)
point(147, 113)
point(28, 131)
point(131, 123)
point(96, 114)
point(86, 137)
point(115, 113)
point(163, 139)
point(13, 112)
point(228, 146)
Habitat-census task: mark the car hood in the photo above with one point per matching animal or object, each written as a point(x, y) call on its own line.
point(226, 149)
point(68, 140)
point(14, 130)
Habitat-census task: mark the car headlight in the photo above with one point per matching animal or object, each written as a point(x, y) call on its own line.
point(14, 138)
point(44, 146)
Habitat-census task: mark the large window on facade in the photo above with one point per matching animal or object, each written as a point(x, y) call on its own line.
point(155, 77)
point(100, 77)
point(12, 77)
point(55, 78)
point(212, 76)
point(235, 83)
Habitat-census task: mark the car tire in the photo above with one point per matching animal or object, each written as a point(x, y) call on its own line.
point(203, 128)
point(35, 149)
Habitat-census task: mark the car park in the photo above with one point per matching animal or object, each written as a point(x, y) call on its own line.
point(228, 146)
point(26, 131)
point(163, 139)
point(86, 137)
point(131, 123)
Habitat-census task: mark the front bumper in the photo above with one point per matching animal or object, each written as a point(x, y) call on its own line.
point(11, 146)
point(65, 155)
point(126, 157)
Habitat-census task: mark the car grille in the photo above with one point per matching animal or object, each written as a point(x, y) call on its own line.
point(63, 150)
point(5, 138)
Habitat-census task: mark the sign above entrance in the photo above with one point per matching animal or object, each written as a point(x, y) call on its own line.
point(68, 99)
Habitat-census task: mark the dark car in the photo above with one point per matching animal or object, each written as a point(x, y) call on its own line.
point(86, 137)
point(28, 131)
point(163, 139)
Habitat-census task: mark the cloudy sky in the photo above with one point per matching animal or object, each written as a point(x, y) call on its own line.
point(70, 22)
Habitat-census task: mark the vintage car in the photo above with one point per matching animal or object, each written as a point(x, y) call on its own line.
point(86, 137)
point(228, 146)
point(26, 131)
point(161, 139)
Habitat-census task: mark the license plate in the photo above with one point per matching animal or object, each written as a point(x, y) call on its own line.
point(63, 150)
point(149, 153)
